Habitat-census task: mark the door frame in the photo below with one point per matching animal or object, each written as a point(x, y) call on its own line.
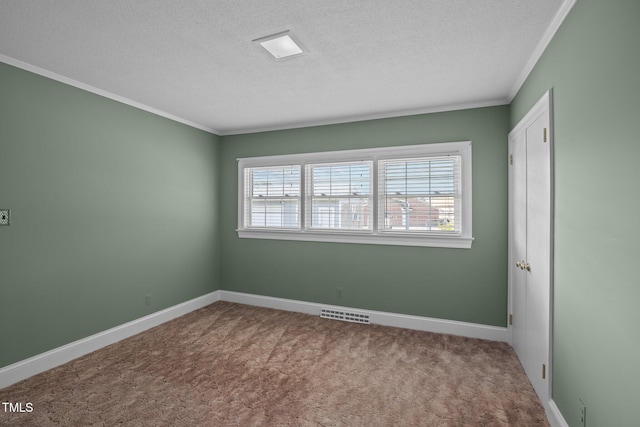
point(544, 104)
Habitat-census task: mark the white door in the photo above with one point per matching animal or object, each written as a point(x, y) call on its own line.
point(518, 242)
point(530, 244)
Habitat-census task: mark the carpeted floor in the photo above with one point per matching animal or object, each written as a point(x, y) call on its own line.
point(236, 365)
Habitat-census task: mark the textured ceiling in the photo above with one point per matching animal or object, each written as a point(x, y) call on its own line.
point(193, 60)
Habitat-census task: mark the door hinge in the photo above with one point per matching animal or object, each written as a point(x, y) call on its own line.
point(511, 319)
point(544, 371)
point(545, 135)
point(510, 159)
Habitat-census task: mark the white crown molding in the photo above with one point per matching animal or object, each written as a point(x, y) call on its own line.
point(365, 117)
point(42, 362)
point(533, 59)
point(557, 20)
point(71, 82)
point(304, 124)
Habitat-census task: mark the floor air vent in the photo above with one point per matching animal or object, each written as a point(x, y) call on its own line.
point(347, 316)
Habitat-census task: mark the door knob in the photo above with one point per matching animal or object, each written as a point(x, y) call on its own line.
point(519, 264)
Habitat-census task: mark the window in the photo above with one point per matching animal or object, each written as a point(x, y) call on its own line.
point(273, 197)
point(416, 195)
point(420, 194)
point(339, 196)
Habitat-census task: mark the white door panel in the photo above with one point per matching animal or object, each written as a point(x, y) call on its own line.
point(537, 253)
point(530, 245)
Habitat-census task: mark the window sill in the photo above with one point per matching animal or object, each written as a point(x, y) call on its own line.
point(361, 238)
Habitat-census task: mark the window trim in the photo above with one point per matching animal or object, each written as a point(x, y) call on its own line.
point(373, 236)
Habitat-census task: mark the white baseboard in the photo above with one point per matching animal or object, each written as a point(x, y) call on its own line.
point(554, 415)
point(471, 330)
point(42, 362)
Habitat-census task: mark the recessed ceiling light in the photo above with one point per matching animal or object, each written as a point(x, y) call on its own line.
point(280, 45)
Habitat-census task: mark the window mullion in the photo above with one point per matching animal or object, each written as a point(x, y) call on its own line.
point(375, 203)
point(303, 197)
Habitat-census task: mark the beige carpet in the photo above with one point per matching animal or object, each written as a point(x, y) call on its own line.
point(235, 365)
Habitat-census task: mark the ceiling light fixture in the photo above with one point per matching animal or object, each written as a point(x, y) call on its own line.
point(280, 45)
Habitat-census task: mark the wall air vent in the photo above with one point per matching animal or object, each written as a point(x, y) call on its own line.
point(347, 316)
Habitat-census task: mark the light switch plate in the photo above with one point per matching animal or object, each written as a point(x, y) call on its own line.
point(4, 216)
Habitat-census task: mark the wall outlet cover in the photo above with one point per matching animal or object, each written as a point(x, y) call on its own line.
point(582, 413)
point(4, 216)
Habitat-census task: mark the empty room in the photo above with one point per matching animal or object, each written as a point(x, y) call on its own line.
point(336, 213)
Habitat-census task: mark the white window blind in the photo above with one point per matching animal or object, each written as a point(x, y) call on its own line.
point(339, 196)
point(414, 195)
point(272, 197)
point(420, 195)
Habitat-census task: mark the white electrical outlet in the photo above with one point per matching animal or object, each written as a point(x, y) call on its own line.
point(582, 414)
point(4, 216)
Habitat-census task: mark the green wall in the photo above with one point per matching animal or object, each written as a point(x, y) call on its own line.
point(459, 284)
point(109, 203)
point(593, 66)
